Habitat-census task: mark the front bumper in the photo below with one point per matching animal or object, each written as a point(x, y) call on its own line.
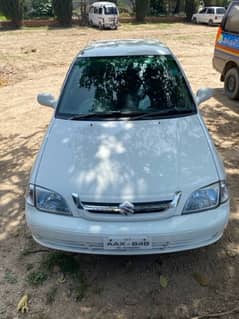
point(169, 235)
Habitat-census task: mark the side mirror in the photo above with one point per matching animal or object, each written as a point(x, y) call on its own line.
point(47, 100)
point(203, 95)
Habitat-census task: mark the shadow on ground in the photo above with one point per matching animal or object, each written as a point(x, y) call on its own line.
point(120, 287)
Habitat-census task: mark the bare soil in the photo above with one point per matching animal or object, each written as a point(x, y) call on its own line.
point(70, 286)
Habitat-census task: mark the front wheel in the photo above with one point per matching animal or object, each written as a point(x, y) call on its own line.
point(101, 26)
point(231, 83)
point(210, 22)
point(195, 20)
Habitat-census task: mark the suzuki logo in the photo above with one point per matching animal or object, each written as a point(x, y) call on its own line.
point(126, 208)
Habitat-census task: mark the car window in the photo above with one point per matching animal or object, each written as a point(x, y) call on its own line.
point(210, 10)
point(220, 11)
point(110, 10)
point(203, 11)
point(232, 20)
point(125, 84)
point(100, 10)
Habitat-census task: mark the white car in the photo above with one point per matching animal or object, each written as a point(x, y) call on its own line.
point(104, 15)
point(127, 165)
point(209, 15)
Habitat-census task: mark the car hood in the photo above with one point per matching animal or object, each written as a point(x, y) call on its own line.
point(126, 160)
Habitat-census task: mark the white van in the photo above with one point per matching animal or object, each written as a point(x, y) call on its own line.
point(104, 15)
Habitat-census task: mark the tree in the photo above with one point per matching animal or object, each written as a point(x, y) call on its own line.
point(190, 8)
point(13, 10)
point(41, 8)
point(141, 7)
point(157, 7)
point(63, 12)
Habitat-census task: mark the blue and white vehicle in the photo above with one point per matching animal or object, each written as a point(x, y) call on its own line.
point(127, 165)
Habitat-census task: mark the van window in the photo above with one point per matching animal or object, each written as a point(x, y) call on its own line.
point(100, 10)
point(210, 10)
point(96, 10)
point(220, 10)
point(232, 20)
point(110, 10)
point(203, 11)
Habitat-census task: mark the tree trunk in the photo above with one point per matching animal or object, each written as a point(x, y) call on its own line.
point(141, 9)
point(13, 10)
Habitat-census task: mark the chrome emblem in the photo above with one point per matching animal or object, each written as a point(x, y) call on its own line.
point(126, 209)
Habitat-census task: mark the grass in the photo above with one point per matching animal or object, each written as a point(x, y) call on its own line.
point(66, 262)
point(36, 278)
point(10, 277)
point(2, 17)
point(58, 262)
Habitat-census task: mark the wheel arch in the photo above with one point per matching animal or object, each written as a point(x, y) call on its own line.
point(229, 65)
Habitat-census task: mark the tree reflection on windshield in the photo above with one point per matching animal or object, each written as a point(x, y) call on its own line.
point(126, 84)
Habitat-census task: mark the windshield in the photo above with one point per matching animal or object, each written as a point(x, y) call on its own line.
point(129, 85)
point(110, 10)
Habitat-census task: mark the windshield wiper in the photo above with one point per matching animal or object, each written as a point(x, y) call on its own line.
point(83, 116)
point(117, 114)
point(162, 113)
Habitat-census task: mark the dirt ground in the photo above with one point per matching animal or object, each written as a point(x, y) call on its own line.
point(75, 286)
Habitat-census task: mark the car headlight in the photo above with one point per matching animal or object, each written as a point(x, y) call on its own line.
point(206, 198)
point(46, 200)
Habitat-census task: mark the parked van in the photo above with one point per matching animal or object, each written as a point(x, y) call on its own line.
point(104, 15)
point(226, 54)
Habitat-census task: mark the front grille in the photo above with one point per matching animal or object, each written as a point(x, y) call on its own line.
point(139, 208)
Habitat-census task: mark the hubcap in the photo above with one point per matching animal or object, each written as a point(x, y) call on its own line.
point(231, 83)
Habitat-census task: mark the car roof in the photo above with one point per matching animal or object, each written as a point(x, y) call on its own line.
point(213, 7)
point(103, 3)
point(125, 48)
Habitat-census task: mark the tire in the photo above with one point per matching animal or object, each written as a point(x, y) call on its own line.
point(210, 23)
point(101, 26)
point(231, 83)
point(195, 20)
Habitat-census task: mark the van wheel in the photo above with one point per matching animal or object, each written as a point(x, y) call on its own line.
point(195, 20)
point(210, 22)
point(231, 83)
point(101, 26)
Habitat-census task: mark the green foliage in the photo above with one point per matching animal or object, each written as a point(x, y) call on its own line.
point(157, 7)
point(220, 3)
point(142, 7)
point(41, 8)
point(10, 277)
point(13, 10)
point(63, 11)
point(36, 278)
point(66, 262)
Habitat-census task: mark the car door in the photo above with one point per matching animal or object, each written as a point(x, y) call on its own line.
point(209, 17)
point(91, 15)
point(201, 16)
point(95, 16)
point(220, 14)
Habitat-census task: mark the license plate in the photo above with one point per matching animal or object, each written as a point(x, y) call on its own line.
point(119, 243)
